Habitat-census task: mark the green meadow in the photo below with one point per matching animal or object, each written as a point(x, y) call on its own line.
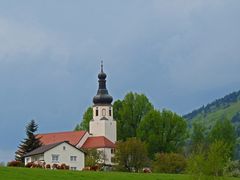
point(10, 173)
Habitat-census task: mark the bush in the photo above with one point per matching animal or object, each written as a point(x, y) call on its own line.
point(48, 166)
point(64, 166)
point(28, 165)
point(169, 163)
point(15, 164)
point(232, 169)
point(211, 162)
point(55, 166)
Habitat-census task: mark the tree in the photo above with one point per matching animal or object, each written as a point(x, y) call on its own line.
point(117, 105)
point(87, 117)
point(131, 111)
point(210, 162)
point(94, 157)
point(163, 131)
point(199, 136)
point(224, 131)
point(131, 155)
point(28, 144)
point(218, 155)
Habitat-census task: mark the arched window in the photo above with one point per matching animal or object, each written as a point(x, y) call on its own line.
point(96, 111)
point(103, 112)
point(110, 111)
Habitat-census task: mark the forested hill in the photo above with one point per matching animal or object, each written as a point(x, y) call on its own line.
point(226, 107)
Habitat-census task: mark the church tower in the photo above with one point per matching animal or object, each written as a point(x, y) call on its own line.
point(103, 123)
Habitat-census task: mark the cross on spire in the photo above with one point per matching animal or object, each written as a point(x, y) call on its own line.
point(101, 65)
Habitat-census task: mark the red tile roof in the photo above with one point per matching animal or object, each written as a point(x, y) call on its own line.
point(98, 142)
point(73, 137)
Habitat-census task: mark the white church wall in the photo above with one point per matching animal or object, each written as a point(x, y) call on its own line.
point(107, 128)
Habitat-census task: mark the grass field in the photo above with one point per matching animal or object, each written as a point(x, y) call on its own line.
point(7, 173)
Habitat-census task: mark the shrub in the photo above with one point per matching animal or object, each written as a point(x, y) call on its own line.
point(15, 164)
point(94, 168)
point(63, 166)
point(169, 163)
point(232, 169)
point(28, 165)
point(55, 166)
point(211, 162)
point(48, 166)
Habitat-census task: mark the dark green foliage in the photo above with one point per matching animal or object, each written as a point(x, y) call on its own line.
point(198, 137)
point(169, 163)
point(131, 111)
point(117, 105)
point(224, 131)
point(87, 117)
point(163, 131)
point(28, 144)
point(236, 118)
point(131, 155)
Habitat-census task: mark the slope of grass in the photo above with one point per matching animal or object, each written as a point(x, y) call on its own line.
point(224, 112)
point(7, 173)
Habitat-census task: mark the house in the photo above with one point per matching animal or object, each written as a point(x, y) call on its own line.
point(57, 153)
point(102, 133)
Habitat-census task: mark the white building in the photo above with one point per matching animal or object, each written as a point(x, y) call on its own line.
point(102, 133)
point(57, 153)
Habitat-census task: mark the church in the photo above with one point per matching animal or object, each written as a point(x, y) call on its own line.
point(68, 147)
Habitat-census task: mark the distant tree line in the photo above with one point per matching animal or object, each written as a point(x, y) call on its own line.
point(223, 102)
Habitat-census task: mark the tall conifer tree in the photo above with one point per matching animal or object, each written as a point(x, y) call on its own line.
point(30, 143)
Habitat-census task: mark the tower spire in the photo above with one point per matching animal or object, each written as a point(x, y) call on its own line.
point(101, 65)
point(102, 96)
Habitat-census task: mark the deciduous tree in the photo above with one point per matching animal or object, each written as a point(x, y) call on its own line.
point(131, 155)
point(131, 111)
point(224, 131)
point(163, 131)
point(87, 117)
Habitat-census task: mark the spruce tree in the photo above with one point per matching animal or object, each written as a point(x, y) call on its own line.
point(30, 143)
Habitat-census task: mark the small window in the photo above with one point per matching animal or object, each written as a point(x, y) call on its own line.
point(73, 158)
point(112, 151)
point(55, 157)
point(73, 168)
point(96, 111)
point(103, 112)
point(64, 148)
point(110, 111)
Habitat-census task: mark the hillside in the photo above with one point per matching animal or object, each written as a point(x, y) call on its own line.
point(226, 107)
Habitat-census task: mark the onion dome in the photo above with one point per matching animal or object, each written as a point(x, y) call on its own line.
point(102, 96)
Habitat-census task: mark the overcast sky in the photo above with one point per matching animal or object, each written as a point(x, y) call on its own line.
point(180, 53)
